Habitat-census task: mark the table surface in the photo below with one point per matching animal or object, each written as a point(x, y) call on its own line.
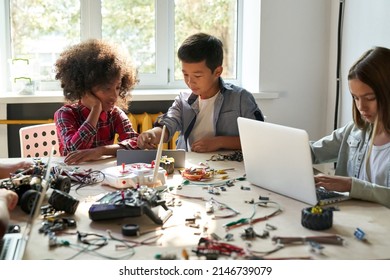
point(191, 200)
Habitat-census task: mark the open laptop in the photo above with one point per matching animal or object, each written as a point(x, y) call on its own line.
point(147, 156)
point(13, 245)
point(278, 158)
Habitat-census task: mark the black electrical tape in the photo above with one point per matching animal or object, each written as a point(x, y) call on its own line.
point(130, 230)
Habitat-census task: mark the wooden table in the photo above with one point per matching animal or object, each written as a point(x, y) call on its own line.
point(193, 200)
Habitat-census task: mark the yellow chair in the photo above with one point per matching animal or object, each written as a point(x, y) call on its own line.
point(144, 121)
point(172, 143)
point(38, 140)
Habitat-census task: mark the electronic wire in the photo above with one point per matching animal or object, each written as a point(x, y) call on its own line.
point(89, 243)
point(91, 178)
point(251, 220)
point(148, 241)
point(223, 206)
point(79, 178)
point(212, 201)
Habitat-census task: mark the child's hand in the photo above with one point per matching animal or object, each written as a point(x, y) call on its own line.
point(8, 201)
point(205, 145)
point(7, 168)
point(148, 140)
point(10, 198)
point(80, 156)
point(333, 183)
point(90, 101)
point(21, 165)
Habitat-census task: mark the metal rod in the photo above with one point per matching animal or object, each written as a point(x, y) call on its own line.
point(13, 122)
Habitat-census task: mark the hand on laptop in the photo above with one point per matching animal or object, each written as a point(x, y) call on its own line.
point(333, 183)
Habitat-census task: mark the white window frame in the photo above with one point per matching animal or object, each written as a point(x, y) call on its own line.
point(248, 54)
point(5, 44)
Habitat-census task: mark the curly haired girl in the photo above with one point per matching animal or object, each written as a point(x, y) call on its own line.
point(96, 78)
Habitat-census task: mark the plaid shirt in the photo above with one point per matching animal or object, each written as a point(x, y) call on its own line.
point(75, 133)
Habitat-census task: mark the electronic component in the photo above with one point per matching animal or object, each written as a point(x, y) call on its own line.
point(27, 184)
point(360, 234)
point(62, 201)
point(212, 249)
point(131, 175)
point(316, 247)
point(57, 224)
point(129, 203)
point(168, 163)
point(130, 230)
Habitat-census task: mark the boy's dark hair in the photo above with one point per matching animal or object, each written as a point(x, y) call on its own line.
point(93, 63)
point(200, 47)
point(373, 69)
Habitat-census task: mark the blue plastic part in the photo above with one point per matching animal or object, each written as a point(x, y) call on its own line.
point(359, 234)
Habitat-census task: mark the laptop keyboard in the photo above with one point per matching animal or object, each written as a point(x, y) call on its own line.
point(325, 194)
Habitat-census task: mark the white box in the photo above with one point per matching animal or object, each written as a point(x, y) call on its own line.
point(131, 175)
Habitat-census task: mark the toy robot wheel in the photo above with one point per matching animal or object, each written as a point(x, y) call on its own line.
point(27, 201)
point(317, 221)
point(62, 183)
point(62, 201)
point(21, 189)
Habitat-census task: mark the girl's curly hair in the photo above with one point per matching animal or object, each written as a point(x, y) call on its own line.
point(93, 63)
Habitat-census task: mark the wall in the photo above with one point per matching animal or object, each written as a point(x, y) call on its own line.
point(298, 57)
point(366, 24)
point(294, 61)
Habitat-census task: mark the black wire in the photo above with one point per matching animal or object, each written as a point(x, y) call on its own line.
point(91, 242)
point(148, 241)
point(338, 78)
point(91, 178)
point(92, 239)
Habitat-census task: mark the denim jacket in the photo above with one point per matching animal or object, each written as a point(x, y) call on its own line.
point(233, 102)
point(347, 146)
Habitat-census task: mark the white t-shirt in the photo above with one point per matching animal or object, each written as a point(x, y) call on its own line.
point(377, 171)
point(204, 125)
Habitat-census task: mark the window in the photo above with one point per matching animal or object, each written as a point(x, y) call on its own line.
point(34, 32)
point(218, 18)
point(40, 30)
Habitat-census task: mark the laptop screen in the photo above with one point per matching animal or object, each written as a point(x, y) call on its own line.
point(278, 158)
